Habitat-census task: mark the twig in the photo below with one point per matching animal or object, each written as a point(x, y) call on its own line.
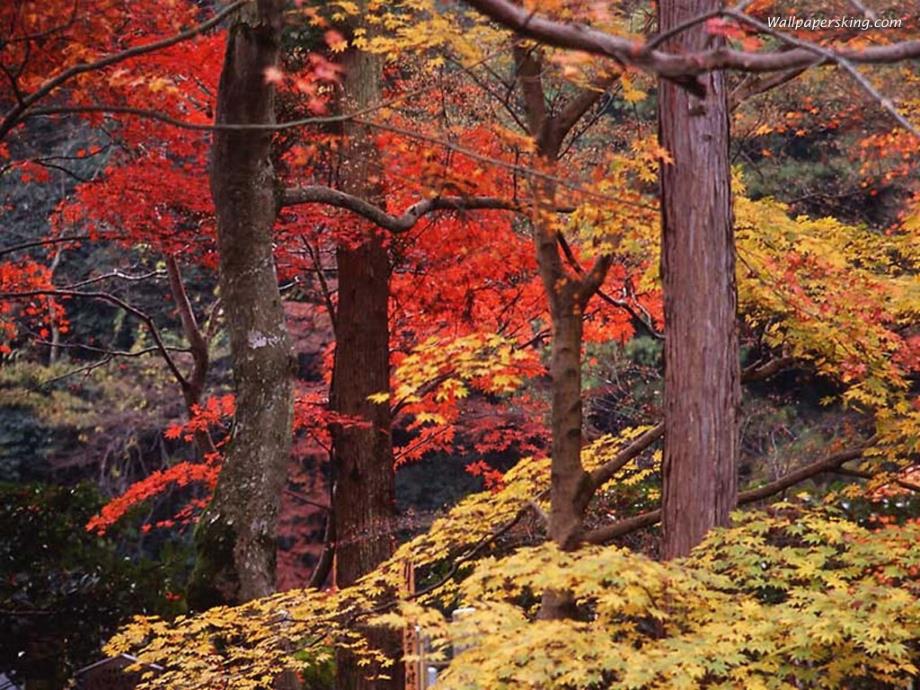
point(111, 299)
point(41, 243)
point(833, 57)
point(80, 370)
point(115, 274)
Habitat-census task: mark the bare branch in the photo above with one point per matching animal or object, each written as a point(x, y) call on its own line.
point(868, 12)
point(108, 351)
point(752, 86)
point(118, 302)
point(759, 371)
point(43, 243)
point(398, 224)
point(324, 565)
point(677, 66)
point(197, 342)
point(522, 170)
point(86, 369)
point(316, 258)
point(645, 320)
point(829, 464)
point(307, 500)
point(539, 512)
point(25, 38)
point(844, 59)
point(149, 114)
point(605, 472)
point(577, 106)
point(115, 274)
point(602, 535)
point(402, 131)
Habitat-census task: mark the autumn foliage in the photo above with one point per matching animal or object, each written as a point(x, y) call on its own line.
point(804, 592)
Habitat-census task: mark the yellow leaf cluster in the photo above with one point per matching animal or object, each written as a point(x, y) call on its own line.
point(787, 598)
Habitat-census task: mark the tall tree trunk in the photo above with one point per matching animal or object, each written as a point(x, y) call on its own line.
point(364, 494)
point(571, 488)
point(236, 537)
point(364, 504)
point(569, 483)
point(567, 295)
point(698, 266)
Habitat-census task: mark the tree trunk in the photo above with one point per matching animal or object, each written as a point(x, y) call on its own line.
point(569, 483)
point(236, 537)
point(567, 295)
point(364, 504)
point(570, 487)
point(364, 494)
point(698, 266)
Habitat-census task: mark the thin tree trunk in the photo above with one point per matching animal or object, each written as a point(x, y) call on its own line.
point(567, 295)
point(236, 537)
point(364, 504)
point(54, 350)
point(569, 483)
point(702, 389)
point(570, 486)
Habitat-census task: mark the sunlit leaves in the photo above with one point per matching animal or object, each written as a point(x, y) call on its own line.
point(786, 597)
point(835, 295)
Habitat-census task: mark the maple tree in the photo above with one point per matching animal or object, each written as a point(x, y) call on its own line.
point(357, 219)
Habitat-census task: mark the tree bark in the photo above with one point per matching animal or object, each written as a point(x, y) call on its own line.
point(364, 494)
point(364, 500)
point(570, 485)
point(236, 537)
point(702, 389)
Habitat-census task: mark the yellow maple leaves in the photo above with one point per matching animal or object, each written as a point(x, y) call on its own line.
point(786, 596)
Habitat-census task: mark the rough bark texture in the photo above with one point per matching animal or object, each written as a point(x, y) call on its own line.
point(364, 503)
point(364, 495)
point(698, 266)
point(236, 536)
